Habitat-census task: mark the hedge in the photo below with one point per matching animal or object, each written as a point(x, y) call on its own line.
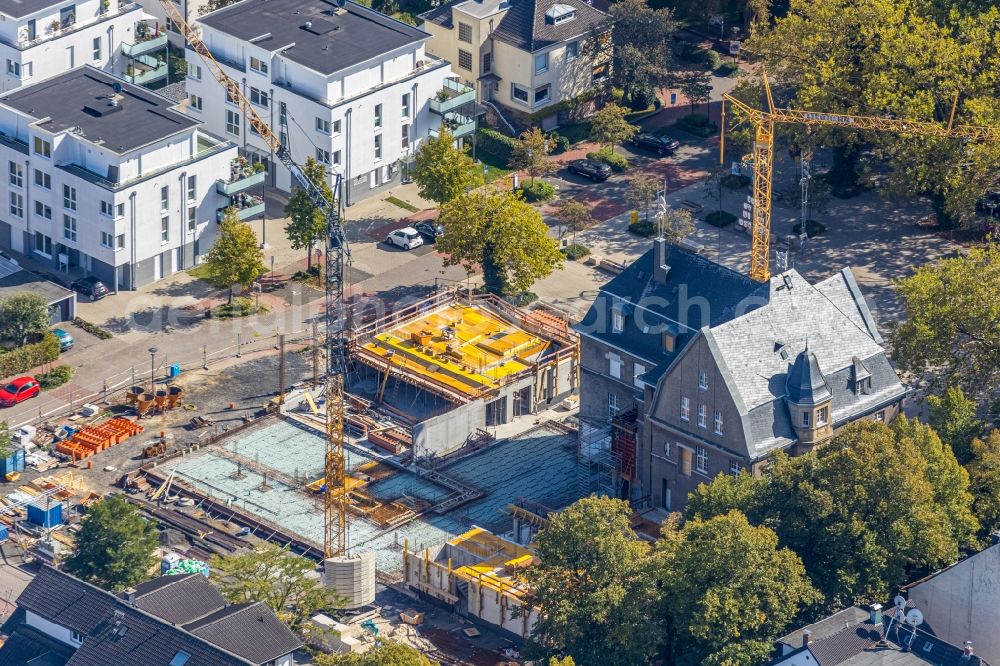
point(23, 359)
point(538, 191)
point(495, 143)
point(618, 163)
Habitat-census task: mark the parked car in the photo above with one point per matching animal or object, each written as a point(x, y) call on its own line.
point(661, 145)
point(19, 390)
point(406, 238)
point(90, 287)
point(429, 231)
point(65, 339)
point(592, 169)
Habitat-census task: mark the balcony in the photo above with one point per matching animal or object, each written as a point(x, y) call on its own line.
point(247, 206)
point(452, 96)
point(145, 69)
point(458, 124)
point(242, 176)
point(147, 38)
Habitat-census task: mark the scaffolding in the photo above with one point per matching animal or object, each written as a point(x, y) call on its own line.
point(607, 455)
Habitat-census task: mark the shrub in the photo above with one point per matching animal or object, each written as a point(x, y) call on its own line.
point(575, 252)
point(57, 376)
point(575, 133)
point(736, 181)
point(240, 307)
point(93, 329)
point(697, 124)
point(23, 359)
point(641, 98)
point(617, 162)
point(644, 228)
point(711, 59)
point(538, 191)
point(495, 143)
point(813, 228)
point(560, 143)
point(720, 218)
point(727, 69)
point(524, 298)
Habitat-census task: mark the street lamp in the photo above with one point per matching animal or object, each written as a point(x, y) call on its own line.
point(152, 370)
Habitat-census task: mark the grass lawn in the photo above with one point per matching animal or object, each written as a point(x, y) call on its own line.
point(199, 272)
point(405, 205)
point(497, 168)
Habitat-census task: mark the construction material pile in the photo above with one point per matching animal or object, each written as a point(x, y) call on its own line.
point(92, 439)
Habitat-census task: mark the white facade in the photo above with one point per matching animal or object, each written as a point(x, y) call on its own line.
point(63, 209)
point(62, 36)
point(367, 119)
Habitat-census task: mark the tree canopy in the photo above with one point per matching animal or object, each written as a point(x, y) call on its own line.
point(385, 653)
point(953, 417)
point(307, 222)
point(610, 125)
point(530, 154)
point(6, 444)
point(235, 256)
point(442, 171)
point(574, 215)
point(984, 481)
point(500, 232)
point(642, 192)
point(114, 547)
point(641, 45)
point(23, 315)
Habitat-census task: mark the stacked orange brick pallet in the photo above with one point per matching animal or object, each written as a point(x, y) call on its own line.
point(88, 441)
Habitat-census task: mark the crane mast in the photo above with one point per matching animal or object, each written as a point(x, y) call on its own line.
point(337, 253)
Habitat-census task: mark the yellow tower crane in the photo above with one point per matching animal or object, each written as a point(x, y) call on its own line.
point(336, 495)
point(764, 121)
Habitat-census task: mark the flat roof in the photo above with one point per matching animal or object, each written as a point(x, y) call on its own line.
point(16, 280)
point(80, 100)
point(319, 34)
point(20, 8)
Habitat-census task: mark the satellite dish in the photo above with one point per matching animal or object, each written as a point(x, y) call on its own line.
point(899, 602)
point(117, 87)
point(914, 617)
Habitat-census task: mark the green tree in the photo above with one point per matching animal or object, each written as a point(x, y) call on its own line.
point(307, 222)
point(727, 586)
point(984, 481)
point(235, 257)
point(726, 492)
point(592, 580)
point(385, 653)
point(531, 154)
point(500, 232)
point(953, 416)
point(574, 215)
point(640, 45)
point(23, 315)
point(610, 126)
point(675, 224)
point(642, 192)
point(565, 661)
point(952, 325)
point(114, 547)
point(443, 171)
point(697, 87)
point(281, 579)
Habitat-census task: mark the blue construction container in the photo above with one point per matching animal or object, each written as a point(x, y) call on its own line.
point(45, 516)
point(174, 370)
point(4, 533)
point(12, 463)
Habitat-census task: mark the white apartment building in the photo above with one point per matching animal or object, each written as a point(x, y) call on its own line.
point(102, 177)
point(42, 38)
point(345, 84)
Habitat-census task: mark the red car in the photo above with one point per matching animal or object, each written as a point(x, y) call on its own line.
point(18, 390)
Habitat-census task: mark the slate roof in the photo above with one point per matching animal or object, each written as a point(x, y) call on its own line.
point(333, 41)
point(249, 630)
point(179, 599)
point(26, 645)
point(524, 25)
point(806, 384)
point(79, 100)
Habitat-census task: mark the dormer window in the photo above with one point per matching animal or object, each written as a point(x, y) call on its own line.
point(559, 14)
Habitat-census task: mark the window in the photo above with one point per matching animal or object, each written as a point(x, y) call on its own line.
point(258, 65)
point(16, 174)
point(667, 449)
point(195, 102)
point(43, 147)
point(165, 197)
point(685, 409)
point(404, 142)
point(120, 242)
point(43, 244)
point(465, 60)
point(97, 48)
point(541, 63)
point(26, 70)
point(806, 419)
point(487, 62)
point(613, 408)
point(518, 93)
point(702, 380)
point(76, 637)
point(69, 197)
point(702, 416)
point(617, 321)
point(322, 125)
point(734, 468)
point(465, 33)
point(172, 27)
point(69, 228)
point(336, 127)
point(378, 116)
point(378, 146)
point(336, 157)
point(638, 369)
point(192, 188)
point(717, 425)
point(542, 94)
point(259, 97)
point(43, 179)
point(615, 366)
point(14, 68)
point(404, 106)
point(664, 495)
point(107, 240)
point(880, 416)
point(572, 50)
point(43, 210)
point(322, 156)
point(233, 123)
point(120, 210)
point(701, 459)
point(194, 71)
point(192, 218)
point(179, 659)
point(108, 208)
point(822, 416)
point(600, 72)
point(669, 341)
point(165, 229)
point(17, 204)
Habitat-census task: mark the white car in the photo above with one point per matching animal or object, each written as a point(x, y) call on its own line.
point(406, 238)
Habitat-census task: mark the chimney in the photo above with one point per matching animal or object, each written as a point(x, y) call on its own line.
point(875, 614)
point(807, 637)
point(967, 650)
point(129, 595)
point(660, 267)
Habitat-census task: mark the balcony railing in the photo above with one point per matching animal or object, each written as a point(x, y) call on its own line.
point(145, 69)
point(234, 186)
point(246, 206)
point(457, 124)
point(50, 31)
point(145, 45)
point(452, 96)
